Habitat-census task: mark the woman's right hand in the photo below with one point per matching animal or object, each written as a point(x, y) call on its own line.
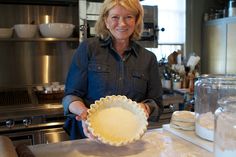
point(79, 109)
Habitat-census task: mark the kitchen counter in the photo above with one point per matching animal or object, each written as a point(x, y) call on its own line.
point(154, 143)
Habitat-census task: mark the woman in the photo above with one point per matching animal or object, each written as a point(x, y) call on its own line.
point(112, 64)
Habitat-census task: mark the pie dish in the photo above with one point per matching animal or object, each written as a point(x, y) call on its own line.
point(116, 120)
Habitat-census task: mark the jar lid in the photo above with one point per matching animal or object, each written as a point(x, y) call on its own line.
point(217, 80)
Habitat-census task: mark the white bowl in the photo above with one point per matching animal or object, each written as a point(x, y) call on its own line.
point(56, 30)
point(25, 30)
point(6, 32)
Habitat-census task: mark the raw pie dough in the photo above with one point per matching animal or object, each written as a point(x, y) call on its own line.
point(184, 120)
point(183, 116)
point(116, 120)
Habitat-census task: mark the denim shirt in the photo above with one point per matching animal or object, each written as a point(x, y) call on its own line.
point(97, 70)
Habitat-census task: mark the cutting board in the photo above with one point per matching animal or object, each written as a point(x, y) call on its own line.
point(190, 136)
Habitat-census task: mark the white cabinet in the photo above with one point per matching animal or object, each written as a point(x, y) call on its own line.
point(231, 48)
point(218, 56)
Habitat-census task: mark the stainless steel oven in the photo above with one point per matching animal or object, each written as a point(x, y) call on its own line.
point(26, 120)
point(38, 136)
point(27, 63)
point(41, 131)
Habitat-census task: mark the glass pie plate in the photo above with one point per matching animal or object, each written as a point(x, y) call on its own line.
point(116, 120)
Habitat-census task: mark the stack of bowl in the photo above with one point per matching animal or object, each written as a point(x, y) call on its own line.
point(6, 32)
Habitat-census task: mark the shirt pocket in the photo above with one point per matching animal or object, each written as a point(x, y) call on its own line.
point(139, 81)
point(98, 78)
point(98, 68)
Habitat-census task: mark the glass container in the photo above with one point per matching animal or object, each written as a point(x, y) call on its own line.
point(208, 89)
point(225, 128)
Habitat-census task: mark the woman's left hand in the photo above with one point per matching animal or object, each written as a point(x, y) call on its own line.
point(146, 108)
point(86, 131)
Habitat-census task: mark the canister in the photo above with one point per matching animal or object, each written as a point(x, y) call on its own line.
point(225, 128)
point(232, 8)
point(208, 89)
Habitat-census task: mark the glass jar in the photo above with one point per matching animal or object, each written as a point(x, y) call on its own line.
point(225, 128)
point(208, 89)
point(232, 8)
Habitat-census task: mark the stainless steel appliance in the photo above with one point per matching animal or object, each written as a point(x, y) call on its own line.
point(27, 63)
point(27, 120)
point(149, 37)
point(36, 60)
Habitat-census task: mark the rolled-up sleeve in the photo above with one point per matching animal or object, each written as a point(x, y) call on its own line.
point(155, 108)
point(154, 92)
point(67, 100)
point(76, 81)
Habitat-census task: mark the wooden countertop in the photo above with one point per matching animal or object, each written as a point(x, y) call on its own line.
point(154, 143)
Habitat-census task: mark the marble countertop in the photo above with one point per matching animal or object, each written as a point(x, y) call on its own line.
point(154, 143)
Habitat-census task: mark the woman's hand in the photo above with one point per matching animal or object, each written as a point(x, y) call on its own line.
point(79, 109)
point(86, 131)
point(146, 108)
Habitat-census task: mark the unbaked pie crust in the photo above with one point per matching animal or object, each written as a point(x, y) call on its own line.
point(116, 120)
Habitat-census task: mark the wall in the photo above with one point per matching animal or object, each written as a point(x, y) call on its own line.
point(194, 12)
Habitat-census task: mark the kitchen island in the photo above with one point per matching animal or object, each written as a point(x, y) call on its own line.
point(154, 143)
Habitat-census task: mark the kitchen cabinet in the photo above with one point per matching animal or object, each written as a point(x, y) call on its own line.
point(219, 37)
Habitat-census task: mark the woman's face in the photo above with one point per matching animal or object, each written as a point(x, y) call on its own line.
point(120, 22)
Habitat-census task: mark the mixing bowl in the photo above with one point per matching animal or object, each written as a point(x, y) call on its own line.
point(25, 30)
point(56, 30)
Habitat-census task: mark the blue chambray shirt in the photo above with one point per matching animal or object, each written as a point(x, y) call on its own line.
point(97, 70)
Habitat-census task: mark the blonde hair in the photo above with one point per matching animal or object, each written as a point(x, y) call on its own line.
point(131, 5)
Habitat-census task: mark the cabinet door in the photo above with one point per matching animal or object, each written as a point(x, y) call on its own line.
point(214, 54)
point(231, 48)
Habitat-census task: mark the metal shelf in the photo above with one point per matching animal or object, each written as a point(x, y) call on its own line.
point(41, 2)
point(40, 40)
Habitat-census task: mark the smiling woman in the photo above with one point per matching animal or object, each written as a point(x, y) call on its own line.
point(112, 63)
point(121, 24)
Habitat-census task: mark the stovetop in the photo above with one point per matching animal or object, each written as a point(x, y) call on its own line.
point(30, 110)
point(23, 102)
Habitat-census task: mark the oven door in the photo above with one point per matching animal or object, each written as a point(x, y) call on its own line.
point(38, 136)
point(25, 137)
point(54, 135)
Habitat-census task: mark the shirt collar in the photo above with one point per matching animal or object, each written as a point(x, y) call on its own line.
point(108, 41)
